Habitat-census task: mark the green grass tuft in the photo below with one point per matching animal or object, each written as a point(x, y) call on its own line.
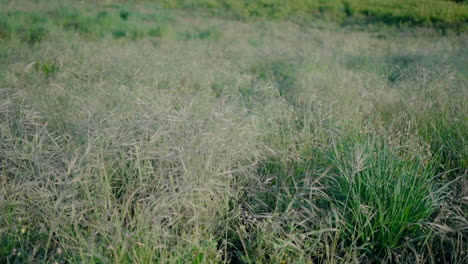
point(386, 198)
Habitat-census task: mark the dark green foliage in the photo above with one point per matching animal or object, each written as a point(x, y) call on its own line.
point(6, 28)
point(394, 67)
point(282, 73)
point(286, 186)
point(349, 8)
point(204, 34)
point(124, 14)
point(447, 133)
point(34, 34)
point(32, 28)
point(402, 66)
point(386, 197)
point(29, 28)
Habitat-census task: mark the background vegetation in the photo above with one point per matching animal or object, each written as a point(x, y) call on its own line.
point(244, 132)
point(439, 13)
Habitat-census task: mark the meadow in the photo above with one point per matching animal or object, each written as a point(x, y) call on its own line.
point(233, 131)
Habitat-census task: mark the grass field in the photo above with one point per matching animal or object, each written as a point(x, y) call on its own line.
point(438, 13)
point(233, 131)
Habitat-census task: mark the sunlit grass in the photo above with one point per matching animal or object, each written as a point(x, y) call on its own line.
point(135, 134)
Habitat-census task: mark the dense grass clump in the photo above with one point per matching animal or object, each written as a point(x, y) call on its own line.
point(387, 198)
point(138, 132)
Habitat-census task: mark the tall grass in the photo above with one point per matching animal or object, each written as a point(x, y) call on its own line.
point(205, 140)
point(386, 197)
